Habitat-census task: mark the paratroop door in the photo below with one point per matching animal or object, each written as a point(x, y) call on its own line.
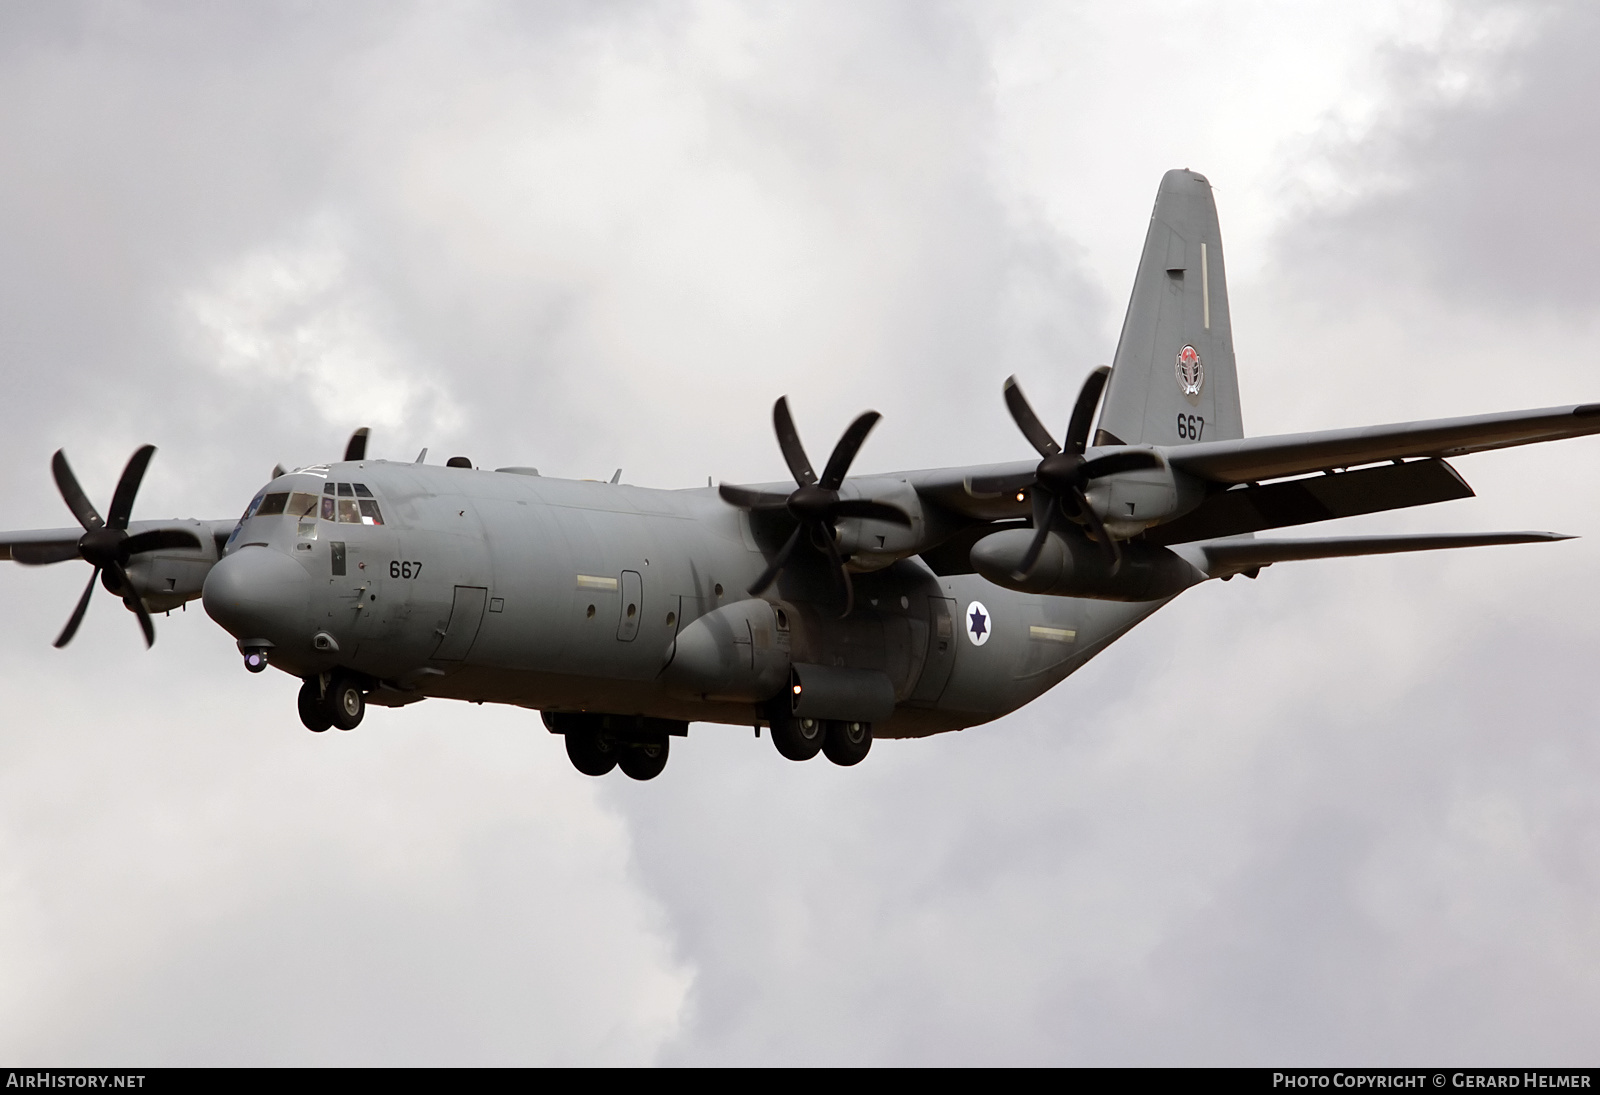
point(466, 614)
point(941, 655)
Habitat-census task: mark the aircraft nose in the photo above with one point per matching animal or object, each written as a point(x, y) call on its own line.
point(259, 593)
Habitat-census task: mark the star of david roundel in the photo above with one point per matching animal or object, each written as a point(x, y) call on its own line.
point(1191, 373)
point(979, 624)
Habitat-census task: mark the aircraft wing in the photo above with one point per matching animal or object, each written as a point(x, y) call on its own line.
point(950, 488)
point(1225, 558)
point(35, 547)
point(45, 545)
point(1256, 458)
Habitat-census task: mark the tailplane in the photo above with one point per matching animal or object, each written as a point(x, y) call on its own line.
point(1173, 380)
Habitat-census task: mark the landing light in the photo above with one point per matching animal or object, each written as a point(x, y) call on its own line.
point(797, 689)
point(1021, 495)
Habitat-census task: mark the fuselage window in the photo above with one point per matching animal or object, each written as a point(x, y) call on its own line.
point(273, 504)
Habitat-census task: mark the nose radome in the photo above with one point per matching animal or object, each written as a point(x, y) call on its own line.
point(259, 593)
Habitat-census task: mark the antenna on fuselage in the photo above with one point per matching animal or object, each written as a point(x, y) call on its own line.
point(617, 478)
point(421, 456)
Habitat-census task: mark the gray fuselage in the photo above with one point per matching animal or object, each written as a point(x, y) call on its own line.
point(564, 595)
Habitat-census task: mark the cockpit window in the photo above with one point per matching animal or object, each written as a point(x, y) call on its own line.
point(350, 504)
point(295, 504)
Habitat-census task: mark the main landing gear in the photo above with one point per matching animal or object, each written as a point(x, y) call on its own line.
point(843, 742)
point(598, 743)
point(336, 700)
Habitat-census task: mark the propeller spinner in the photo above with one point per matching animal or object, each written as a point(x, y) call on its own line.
point(815, 503)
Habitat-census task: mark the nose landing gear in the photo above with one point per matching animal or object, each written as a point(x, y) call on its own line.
point(333, 701)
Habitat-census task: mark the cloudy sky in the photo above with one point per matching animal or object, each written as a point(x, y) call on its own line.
point(1345, 813)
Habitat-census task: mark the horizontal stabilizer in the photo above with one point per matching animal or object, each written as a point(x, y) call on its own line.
point(1280, 455)
point(1225, 558)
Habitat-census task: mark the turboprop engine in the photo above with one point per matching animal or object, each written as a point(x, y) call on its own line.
point(1129, 502)
point(1070, 566)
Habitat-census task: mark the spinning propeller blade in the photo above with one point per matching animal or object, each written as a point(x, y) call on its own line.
point(1060, 481)
point(105, 544)
point(815, 505)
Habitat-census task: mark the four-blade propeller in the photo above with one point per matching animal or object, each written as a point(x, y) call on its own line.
point(815, 503)
point(105, 543)
point(1058, 484)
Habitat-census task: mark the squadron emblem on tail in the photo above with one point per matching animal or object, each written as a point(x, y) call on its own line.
point(1191, 374)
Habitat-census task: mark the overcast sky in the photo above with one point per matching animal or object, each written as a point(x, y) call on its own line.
point(1345, 813)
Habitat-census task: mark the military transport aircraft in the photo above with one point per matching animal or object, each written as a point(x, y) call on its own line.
point(834, 610)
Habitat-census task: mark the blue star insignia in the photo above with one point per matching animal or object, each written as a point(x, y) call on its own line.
point(978, 619)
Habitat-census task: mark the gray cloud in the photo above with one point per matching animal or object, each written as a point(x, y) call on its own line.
point(1340, 814)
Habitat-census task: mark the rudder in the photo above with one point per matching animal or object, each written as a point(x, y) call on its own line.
point(1173, 379)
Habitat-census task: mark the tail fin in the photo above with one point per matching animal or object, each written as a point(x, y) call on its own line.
point(1173, 379)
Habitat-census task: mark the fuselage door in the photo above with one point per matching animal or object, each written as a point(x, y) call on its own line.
point(466, 614)
point(941, 655)
point(632, 606)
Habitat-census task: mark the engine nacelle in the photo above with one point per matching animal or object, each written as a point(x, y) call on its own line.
point(1072, 566)
point(872, 544)
point(166, 578)
point(1131, 501)
point(739, 652)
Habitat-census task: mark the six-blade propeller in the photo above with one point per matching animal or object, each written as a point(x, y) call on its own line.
point(1058, 484)
point(814, 504)
point(105, 543)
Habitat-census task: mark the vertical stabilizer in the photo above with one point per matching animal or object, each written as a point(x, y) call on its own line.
point(1173, 380)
